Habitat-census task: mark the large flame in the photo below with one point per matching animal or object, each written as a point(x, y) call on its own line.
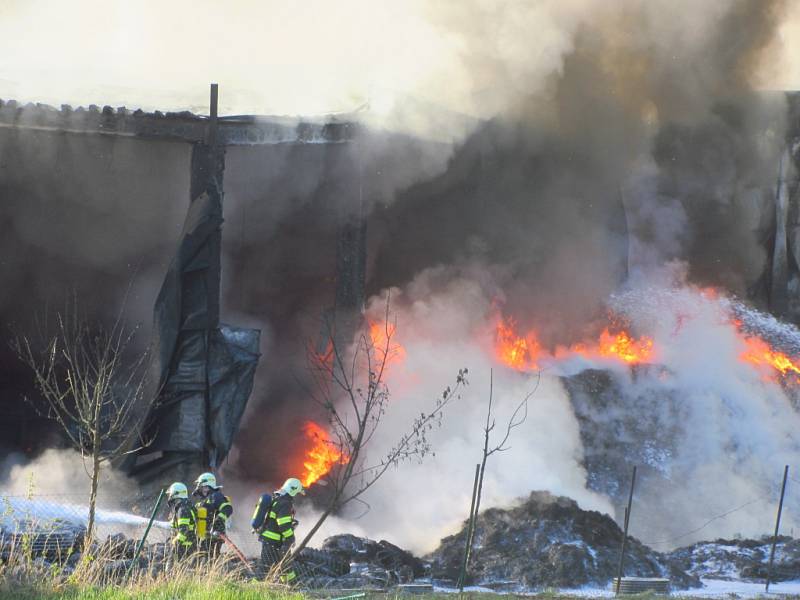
point(524, 352)
point(322, 456)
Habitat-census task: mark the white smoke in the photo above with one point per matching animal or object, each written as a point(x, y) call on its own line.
point(54, 487)
point(470, 57)
point(737, 425)
point(59, 472)
point(442, 330)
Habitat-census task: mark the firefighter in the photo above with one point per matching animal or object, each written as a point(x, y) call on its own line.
point(212, 512)
point(274, 522)
point(183, 521)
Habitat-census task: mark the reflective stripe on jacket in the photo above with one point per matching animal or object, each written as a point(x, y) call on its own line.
point(278, 526)
point(183, 523)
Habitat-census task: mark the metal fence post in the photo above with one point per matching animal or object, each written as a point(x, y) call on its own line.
point(777, 526)
point(625, 534)
point(140, 545)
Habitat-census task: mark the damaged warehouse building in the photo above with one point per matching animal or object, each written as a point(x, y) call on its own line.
point(248, 220)
point(305, 175)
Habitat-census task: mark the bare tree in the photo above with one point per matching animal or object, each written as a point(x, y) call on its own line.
point(518, 417)
point(93, 382)
point(350, 387)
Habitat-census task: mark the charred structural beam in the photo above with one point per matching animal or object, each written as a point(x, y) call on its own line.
point(182, 126)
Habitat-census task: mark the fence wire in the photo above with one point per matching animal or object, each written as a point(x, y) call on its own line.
point(51, 518)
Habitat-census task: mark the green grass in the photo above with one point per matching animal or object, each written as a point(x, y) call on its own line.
point(238, 590)
point(181, 590)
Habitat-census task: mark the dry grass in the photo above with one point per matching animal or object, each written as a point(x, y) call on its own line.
point(25, 575)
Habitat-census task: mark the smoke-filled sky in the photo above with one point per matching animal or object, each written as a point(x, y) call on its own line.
point(315, 56)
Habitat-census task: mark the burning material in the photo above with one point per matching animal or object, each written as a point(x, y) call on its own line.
point(515, 351)
point(760, 353)
point(525, 353)
point(322, 456)
point(626, 348)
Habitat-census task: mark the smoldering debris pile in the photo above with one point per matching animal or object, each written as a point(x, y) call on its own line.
point(58, 549)
point(741, 559)
point(548, 541)
point(350, 561)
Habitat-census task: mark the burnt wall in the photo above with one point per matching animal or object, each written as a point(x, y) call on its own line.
point(87, 215)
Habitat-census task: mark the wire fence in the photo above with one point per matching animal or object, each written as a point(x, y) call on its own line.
point(56, 519)
point(731, 556)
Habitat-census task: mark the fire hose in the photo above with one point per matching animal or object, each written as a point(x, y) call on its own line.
point(236, 551)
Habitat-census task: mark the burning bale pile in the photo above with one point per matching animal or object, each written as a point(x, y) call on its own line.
point(548, 541)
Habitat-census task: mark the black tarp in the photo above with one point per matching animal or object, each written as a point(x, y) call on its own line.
point(205, 371)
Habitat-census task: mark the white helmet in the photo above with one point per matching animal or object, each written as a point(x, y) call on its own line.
point(177, 490)
point(207, 479)
point(292, 486)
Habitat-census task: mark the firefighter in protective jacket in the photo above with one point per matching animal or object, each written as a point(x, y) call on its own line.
point(212, 513)
point(275, 526)
point(183, 520)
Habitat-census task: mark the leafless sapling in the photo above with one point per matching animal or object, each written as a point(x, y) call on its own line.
point(518, 417)
point(92, 381)
point(350, 387)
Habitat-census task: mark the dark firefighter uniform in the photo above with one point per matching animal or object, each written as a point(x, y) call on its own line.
point(277, 534)
point(183, 528)
point(212, 513)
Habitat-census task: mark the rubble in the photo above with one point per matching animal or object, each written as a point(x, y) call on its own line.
point(52, 541)
point(346, 561)
point(548, 541)
point(382, 554)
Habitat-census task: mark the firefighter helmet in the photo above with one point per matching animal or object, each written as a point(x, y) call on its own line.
point(177, 490)
point(292, 486)
point(207, 479)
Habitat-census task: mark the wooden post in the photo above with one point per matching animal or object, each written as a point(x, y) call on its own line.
point(470, 525)
point(625, 533)
point(777, 526)
point(212, 115)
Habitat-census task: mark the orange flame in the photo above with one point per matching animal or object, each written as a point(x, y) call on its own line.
point(322, 456)
point(517, 352)
point(760, 353)
point(625, 348)
point(382, 336)
point(524, 352)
